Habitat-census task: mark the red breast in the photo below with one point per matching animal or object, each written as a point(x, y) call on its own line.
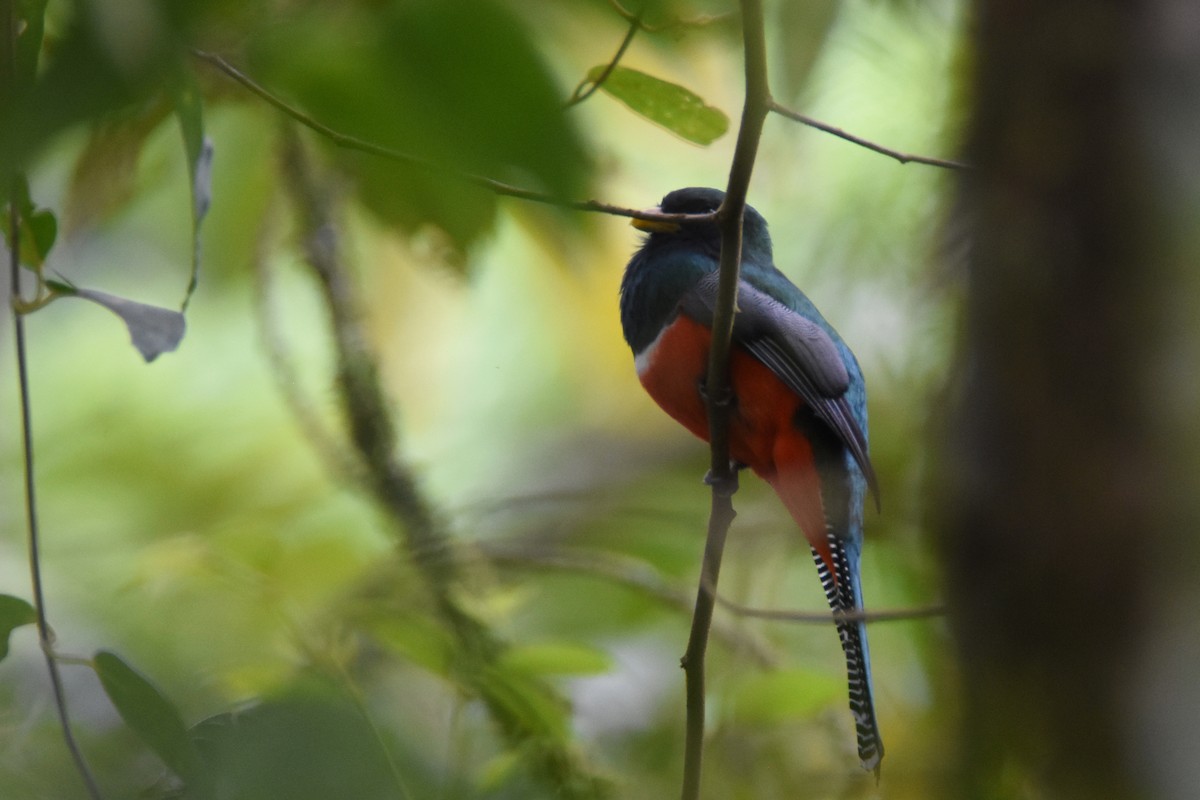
point(762, 434)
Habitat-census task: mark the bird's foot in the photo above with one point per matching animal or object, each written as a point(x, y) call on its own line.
point(723, 399)
point(724, 485)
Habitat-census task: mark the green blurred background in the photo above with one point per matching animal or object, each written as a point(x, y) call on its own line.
point(190, 524)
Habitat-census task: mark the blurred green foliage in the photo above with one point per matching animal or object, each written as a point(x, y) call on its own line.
point(191, 526)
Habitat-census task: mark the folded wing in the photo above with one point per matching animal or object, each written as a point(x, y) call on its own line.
point(798, 351)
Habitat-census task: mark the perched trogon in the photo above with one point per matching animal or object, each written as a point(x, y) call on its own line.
point(799, 411)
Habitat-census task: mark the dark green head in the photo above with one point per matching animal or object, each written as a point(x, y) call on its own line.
point(703, 237)
point(675, 255)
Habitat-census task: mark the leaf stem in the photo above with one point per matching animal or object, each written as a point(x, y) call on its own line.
point(45, 634)
point(587, 87)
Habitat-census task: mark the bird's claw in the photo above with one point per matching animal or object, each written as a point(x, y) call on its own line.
point(724, 399)
point(725, 485)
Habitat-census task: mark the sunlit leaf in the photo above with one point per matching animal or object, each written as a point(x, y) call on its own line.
point(14, 612)
point(670, 105)
point(153, 330)
point(148, 713)
point(419, 639)
point(556, 658)
point(499, 769)
point(783, 695)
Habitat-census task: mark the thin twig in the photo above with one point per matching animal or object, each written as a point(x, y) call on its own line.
point(355, 693)
point(45, 633)
point(349, 142)
point(724, 479)
point(11, 30)
point(631, 573)
point(903, 158)
point(826, 617)
point(580, 94)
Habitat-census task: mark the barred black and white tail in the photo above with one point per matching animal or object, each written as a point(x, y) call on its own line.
point(843, 595)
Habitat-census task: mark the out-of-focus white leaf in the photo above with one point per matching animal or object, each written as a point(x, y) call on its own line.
point(153, 330)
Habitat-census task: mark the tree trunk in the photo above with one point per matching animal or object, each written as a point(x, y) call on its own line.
point(1066, 503)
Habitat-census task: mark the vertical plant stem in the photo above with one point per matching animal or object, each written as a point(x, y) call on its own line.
point(45, 634)
point(722, 475)
point(392, 482)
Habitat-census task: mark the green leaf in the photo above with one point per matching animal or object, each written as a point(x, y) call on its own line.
point(774, 697)
point(556, 658)
point(14, 612)
point(148, 713)
point(38, 229)
point(19, 196)
point(419, 639)
point(461, 85)
point(524, 700)
point(104, 57)
point(153, 330)
point(304, 745)
point(499, 769)
point(30, 28)
point(670, 105)
point(43, 230)
point(59, 287)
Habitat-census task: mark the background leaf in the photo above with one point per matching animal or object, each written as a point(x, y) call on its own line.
point(30, 29)
point(189, 109)
point(103, 180)
point(39, 226)
point(104, 58)
point(153, 330)
point(459, 85)
point(14, 612)
point(308, 744)
point(42, 227)
point(556, 658)
point(148, 713)
point(783, 695)
point(679, 110)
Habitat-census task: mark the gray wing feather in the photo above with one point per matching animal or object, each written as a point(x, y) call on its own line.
point(798, 351)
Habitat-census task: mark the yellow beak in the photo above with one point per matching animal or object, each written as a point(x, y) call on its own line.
point(654, 225)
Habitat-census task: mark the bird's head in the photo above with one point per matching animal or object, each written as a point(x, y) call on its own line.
point(704, 235)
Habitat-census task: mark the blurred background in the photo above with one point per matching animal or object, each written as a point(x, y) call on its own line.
point(197, 514)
